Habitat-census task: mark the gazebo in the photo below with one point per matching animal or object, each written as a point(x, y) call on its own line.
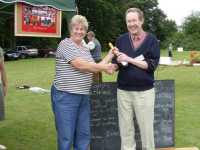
point(64, 5)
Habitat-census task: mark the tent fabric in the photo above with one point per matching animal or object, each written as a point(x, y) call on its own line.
point(64, 5)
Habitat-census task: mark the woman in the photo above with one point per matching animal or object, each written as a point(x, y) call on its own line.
point(70, 89)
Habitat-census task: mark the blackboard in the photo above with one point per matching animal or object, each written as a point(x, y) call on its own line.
point(104, 119)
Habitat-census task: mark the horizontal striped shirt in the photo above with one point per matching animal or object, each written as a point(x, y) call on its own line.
point(67, 77)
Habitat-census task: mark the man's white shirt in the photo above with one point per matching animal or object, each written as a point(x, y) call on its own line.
point(90, 45)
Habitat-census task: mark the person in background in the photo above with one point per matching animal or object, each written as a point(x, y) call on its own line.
point(3, 89)
point(135, 93)
point(71, 86)
point(170, 49)
point(95, 49)
point(94, 46)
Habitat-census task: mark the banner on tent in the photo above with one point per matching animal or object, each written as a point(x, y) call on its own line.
point(43, 21)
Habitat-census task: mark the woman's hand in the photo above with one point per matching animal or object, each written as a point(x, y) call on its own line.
point(108, 58)
point(110, 54)
point(110, 68)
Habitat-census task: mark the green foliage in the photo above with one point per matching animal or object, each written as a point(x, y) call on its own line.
point(192, 31)
point(189, 37)
point(107, 18)
point(176, 39)
point(191, 42)
point(168, 30)
point(191, 24)
point(6, 25)
point(38, 42)
point(103, 19)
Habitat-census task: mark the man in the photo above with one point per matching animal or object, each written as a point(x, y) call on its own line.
point(3, 88)
point(170, 49)
point(135, 91)
point(94, 46)
point(95, 50)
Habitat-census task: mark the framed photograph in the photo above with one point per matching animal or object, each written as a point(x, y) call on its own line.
point(37, 21)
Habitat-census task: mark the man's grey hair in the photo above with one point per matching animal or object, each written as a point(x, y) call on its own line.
point(91, 33)
point(136, 10)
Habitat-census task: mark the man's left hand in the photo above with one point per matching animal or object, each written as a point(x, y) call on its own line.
point(123, 57)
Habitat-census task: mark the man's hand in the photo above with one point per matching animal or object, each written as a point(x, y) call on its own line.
point(122, 57)
point(115, 51)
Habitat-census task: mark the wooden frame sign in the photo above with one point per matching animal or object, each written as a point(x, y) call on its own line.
point(37, 21)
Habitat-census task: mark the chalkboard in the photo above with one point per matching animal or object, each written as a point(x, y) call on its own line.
point(104, 119)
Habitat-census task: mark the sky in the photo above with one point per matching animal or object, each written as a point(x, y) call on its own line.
point(178, 9)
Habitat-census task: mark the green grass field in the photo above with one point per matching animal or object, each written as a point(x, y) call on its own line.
point(29, 123)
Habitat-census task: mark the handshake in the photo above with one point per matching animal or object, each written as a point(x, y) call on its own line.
point(121, 59)
point(110, 68)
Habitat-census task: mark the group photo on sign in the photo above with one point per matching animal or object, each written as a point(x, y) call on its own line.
point(99, 75)
point(37, 21)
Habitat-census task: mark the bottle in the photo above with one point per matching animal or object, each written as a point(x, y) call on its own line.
point(123, 63)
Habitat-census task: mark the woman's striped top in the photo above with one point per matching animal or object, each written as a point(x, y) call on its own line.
point(68, 78)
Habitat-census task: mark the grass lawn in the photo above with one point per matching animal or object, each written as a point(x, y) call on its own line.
point(29, 123)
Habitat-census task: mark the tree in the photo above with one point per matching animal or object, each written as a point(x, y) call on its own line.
point(191, 31)
point(6, 25)
point(107, 20)
point(103, 18)
point(192, 23)
point(168, 29)
point(107, 17)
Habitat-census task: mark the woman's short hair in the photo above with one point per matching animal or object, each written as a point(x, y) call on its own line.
point(136, 10)
point(78, 19)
